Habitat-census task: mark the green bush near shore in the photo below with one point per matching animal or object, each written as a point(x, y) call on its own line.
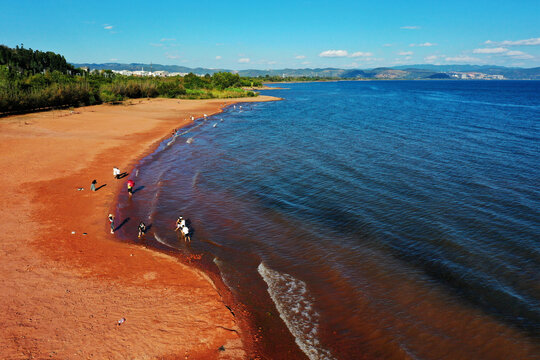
point(33, 80)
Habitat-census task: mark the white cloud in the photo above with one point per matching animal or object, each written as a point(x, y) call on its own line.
point(387, 45)
point(533, 41)
point(432, 58)
point(306, 63)
point(271, 62)
point(113, 59)
point(218, 57)
point(498, 50)
point(334, 53)
point(167, 39)
point(405, 53)
point(299, 57)
point(426, 44)
point(244, 60)
point(410, 27)
point(461, 58)
point(108, 27)
point(361, 54)
point(156, 45)
point(172, 56)
point(519, 55)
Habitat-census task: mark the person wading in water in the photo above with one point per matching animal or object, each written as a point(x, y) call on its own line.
point(142, 229)
point(130, 185)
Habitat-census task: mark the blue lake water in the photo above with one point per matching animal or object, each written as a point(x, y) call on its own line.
point(387, 219)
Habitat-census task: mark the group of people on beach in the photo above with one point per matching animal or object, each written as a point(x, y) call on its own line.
point(142, 228)
point(117, 174)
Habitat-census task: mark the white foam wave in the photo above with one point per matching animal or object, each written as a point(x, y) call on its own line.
point(161, 241)
point(224, 277)
point(173, 138)
point(195, 178)
point(295, 306)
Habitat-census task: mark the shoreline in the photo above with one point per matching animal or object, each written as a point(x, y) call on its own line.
point(64, 292)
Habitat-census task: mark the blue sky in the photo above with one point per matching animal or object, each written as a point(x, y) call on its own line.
point(279, 34)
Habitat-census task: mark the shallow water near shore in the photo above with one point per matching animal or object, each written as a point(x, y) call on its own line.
point(368, 220)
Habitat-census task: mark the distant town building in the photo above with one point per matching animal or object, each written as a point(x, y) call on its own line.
point(474, 76)
point(123, 72)
point(160, 73)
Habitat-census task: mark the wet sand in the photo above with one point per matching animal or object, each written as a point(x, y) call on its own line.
point(65, 281)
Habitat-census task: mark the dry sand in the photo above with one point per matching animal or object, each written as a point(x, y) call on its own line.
point(62, 294)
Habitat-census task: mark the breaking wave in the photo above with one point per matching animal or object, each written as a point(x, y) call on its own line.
point(295, 306)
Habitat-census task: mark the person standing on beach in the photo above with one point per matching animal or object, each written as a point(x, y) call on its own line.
point(93, 185)
point(130, 185)
point(111, 220)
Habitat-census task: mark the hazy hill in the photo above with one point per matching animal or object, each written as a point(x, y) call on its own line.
point(407, 72)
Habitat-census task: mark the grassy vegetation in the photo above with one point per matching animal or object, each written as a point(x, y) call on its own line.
point(32, 80)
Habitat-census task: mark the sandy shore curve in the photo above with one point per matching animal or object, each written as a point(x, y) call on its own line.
point(65, 282)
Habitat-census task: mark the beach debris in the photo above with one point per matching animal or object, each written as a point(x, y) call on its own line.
point(221, 348)
point(121, 321)
point(80, 189)
point(73, 232)
point(84, 233)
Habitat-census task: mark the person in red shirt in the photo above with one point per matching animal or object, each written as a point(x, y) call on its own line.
point(130, 185)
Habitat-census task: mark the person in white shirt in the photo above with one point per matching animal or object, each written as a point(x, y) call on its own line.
point(180, 222)
point(185, 232)
point(116, 172)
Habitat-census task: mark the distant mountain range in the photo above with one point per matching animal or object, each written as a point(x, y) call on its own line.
point(407, 72)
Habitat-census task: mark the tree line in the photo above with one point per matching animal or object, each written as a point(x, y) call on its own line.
point(34, 61)
point(32, 80)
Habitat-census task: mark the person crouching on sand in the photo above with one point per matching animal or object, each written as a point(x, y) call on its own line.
point(111, 220)
point(116, 172)
point(130, 185)
point(142, 229)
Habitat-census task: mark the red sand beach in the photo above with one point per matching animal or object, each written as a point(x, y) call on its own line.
point(65, 282)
